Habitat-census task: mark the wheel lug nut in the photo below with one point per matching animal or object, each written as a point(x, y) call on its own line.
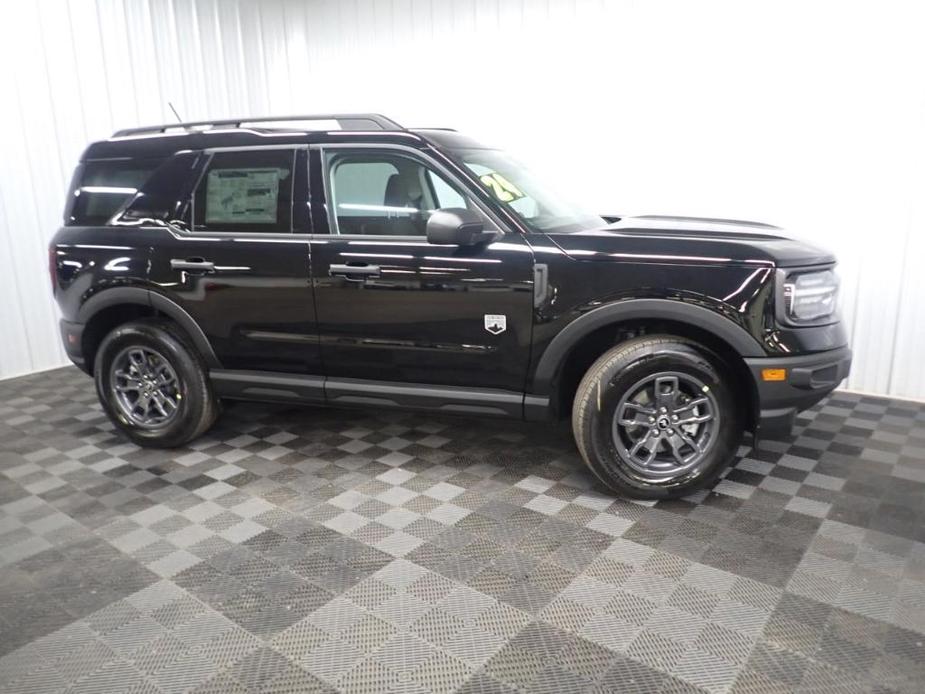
point(671, 432)
point(674, 417)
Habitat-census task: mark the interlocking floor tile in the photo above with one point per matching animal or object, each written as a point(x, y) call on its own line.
point(313, 550)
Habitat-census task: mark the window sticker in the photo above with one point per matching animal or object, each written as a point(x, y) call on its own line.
point(502, 188)
point(243, 196)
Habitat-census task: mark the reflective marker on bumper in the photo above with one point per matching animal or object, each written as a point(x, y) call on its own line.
point(774, 374)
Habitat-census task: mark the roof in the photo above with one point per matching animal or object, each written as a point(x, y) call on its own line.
point(159, 141)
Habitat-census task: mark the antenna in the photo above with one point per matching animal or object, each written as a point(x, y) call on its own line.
point(179, 120)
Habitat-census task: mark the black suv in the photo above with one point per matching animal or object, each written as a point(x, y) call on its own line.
point(345, 260)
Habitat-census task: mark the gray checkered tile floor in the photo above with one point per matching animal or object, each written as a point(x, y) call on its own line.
point(310, 550)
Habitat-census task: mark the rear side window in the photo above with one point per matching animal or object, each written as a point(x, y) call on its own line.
point(246, 191)
point(103, 187)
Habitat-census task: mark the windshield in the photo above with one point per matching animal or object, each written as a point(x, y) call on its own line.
point(512, 184)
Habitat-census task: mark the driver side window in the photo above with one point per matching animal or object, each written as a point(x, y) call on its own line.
point(382, 193)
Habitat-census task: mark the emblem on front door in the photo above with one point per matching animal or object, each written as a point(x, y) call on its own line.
point(495, 324)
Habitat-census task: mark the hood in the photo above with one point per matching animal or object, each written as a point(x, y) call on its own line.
point(653, 238)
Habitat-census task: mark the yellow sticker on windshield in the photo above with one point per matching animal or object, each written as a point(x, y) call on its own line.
point(502, 188)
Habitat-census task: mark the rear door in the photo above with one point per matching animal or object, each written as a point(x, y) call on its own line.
point(393, 307)
point(240, 263)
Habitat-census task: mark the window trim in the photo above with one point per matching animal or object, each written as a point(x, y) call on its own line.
point(413, 153)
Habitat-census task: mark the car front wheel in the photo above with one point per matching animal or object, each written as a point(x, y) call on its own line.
point(655, 418)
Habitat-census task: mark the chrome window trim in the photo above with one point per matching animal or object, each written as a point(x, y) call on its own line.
point(250, 148)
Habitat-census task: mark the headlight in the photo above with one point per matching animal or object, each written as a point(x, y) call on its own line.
point(809, 297)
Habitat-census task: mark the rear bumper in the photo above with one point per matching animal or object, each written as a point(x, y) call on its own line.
point(809, 378)
point(72, 337)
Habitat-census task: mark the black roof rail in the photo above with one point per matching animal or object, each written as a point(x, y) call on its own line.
point(347, 121)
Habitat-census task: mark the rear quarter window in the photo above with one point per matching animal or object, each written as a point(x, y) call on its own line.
point(101, 188)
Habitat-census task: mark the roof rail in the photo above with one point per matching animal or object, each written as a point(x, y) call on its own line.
point(347, 121)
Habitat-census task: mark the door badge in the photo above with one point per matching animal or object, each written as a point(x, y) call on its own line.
point(495, 324)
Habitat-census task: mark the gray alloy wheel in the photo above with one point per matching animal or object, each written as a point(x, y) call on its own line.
point(153, 384)
point(664, 425)
point(658, 417)
point(145, 387)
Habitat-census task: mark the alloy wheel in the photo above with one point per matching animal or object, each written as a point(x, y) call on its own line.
point(145, 387)
point(665, 425)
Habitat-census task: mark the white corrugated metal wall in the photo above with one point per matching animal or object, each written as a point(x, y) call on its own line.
point(808, 115)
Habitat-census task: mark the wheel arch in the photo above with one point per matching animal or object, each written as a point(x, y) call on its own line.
point(112, 307)
point(580, 343)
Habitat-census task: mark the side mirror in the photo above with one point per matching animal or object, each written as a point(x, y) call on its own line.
point(457, 226)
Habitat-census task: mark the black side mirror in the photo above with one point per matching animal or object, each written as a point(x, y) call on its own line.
point(457, 226)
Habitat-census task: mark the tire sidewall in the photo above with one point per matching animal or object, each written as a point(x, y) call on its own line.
point(612, 384)
point(188, 372)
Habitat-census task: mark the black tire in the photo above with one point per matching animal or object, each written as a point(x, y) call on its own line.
point(615, 376)
point(197, 406)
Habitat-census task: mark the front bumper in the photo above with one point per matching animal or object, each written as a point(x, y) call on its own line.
point(809, 378)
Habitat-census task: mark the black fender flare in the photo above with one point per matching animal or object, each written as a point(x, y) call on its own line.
point(637, 309)
point(145, 297)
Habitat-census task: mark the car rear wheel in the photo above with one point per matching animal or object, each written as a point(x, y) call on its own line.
point(656, 418)
point(153, 385)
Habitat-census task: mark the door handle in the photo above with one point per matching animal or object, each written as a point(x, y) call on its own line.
point(354, 273)
point(192, 265)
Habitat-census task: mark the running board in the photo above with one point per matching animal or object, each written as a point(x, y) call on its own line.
point(298, 388)
point(267, 385)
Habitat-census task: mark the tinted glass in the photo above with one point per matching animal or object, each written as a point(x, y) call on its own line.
point(105, 186)
point(385, 193)
point(247, 191)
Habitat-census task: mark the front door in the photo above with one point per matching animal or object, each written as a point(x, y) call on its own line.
point(241, 267)
point(392, 307)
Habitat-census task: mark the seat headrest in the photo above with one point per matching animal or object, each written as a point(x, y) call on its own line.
point(403, 190)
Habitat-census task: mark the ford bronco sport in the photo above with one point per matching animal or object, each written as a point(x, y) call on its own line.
point(345, 260)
